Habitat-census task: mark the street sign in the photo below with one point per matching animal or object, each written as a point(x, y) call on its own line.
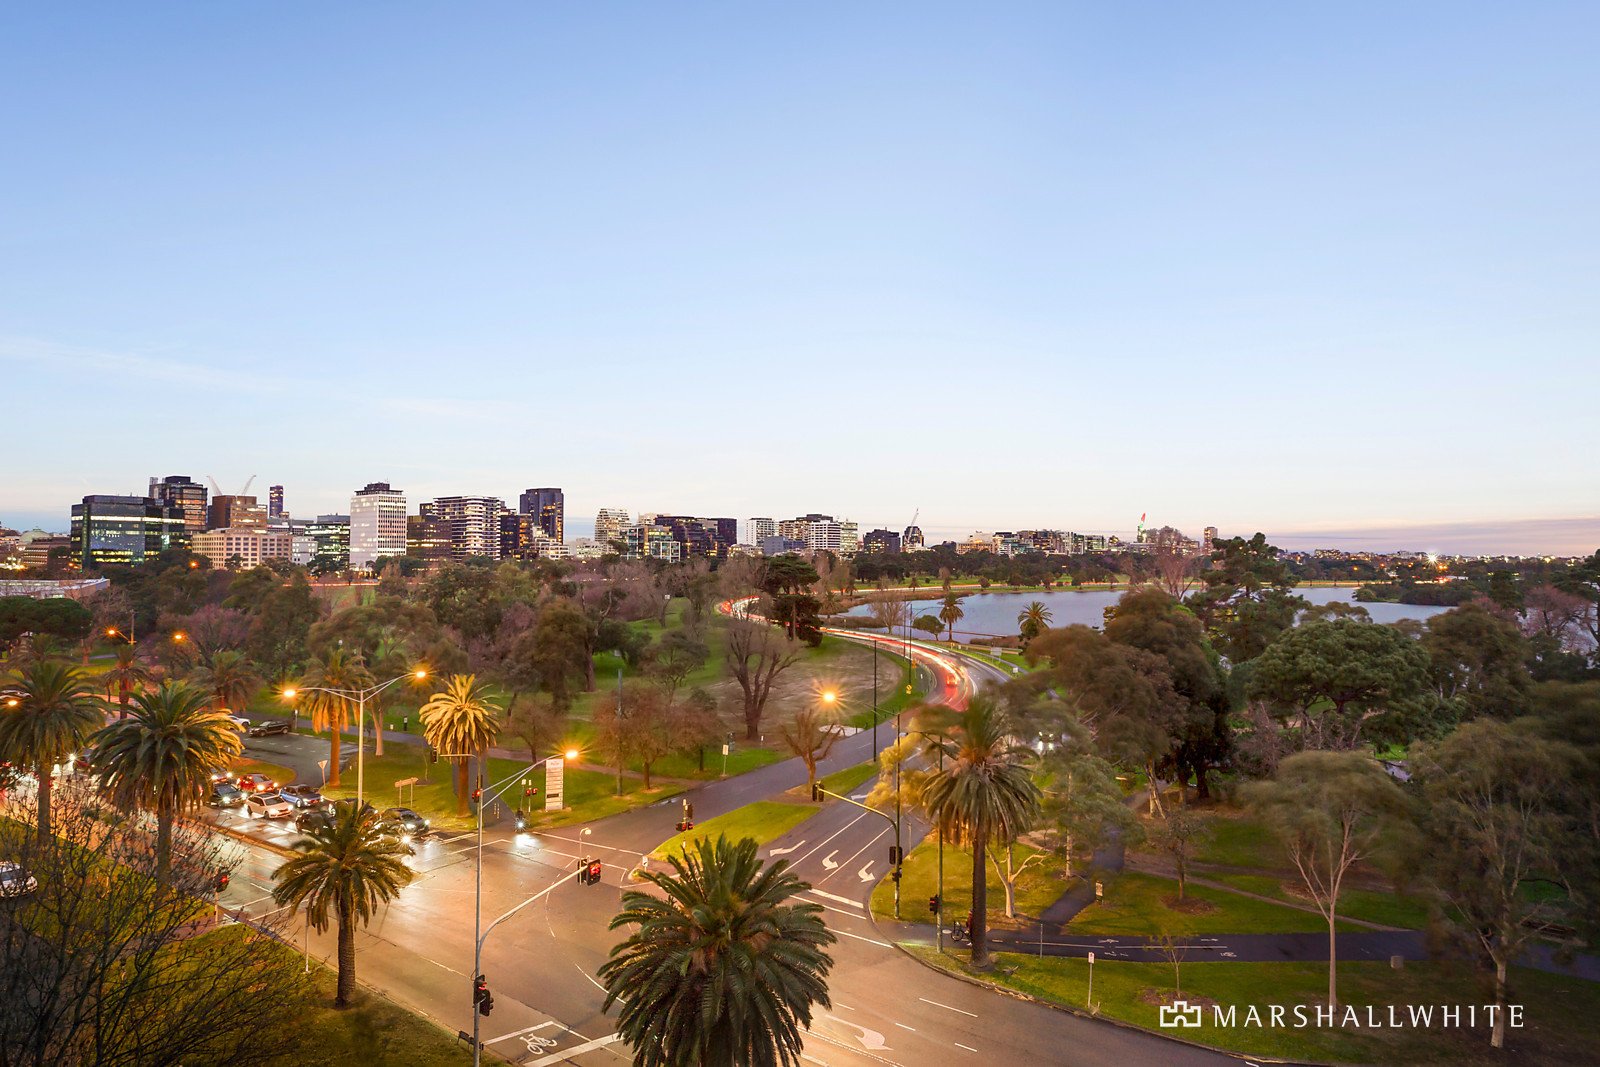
point(402, 783)
point(1091, 959)
point(724, 750)
point(554, 777)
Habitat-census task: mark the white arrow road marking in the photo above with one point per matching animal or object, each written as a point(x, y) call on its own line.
point(567, 1054)
point(865, 873)
point(870, 1039)
point(784, 851)
point(827, 861)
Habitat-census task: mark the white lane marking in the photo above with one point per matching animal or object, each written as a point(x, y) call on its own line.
point(969, 1048)
point(903, 1026)
point(836, 833)
point(839, 911)
point(784, 851)
point(858, 937)
point(947, 1007)
point(576, 1050)
point(596, 984)
point(519, 1033)
point(841, 900)
point(865, 873)
point(827, 861)
point(873, 840)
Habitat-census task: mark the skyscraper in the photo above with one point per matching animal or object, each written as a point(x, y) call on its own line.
point(758, 530)
point(549, 507)
point(236, 512)
point(123, 529)
point(377, 524)
point(186, 494)
point(274, 501)
point(608, 525)
point(474, 523)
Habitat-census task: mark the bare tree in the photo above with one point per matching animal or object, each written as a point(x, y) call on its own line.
point(756, 654)
point(1012, 871)
point(811, 738)
point(1178, 835)
point(636, 727)
point(889, 612)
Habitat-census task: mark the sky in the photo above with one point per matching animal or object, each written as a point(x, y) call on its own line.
point(1328, 272)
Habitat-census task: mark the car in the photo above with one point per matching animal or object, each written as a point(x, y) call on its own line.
point(240, 721)
point(269, 726)
point(256, 783)
point(302, 795)
point(220, 775)
point(226, 795)
point(267, 806)
point(15, 881)
point(312, 819)
point(411, 824)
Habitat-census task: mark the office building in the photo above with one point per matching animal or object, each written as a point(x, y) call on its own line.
point(241, 547)
point(779, 546)
point(911, 539)
point(849, 537)
point(474, 523)
point(608, 525)
point(646, 540)
point(588, 548)
point(124, 529)
point(429, 539)
point(549, 507)
point(186, 494)
point(881, 543)
point(1208, 538)
point(274, 501)
point(236, 512)
point(758, 530)
point(701, 538)
point(377, 524)
point(330, 538)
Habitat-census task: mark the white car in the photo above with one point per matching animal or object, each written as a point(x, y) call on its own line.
point(15, 881)
point(240, 721)
point(267, 805)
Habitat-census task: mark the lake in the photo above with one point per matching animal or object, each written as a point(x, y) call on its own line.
point(996, 613)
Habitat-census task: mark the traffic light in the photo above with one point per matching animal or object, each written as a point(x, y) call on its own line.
point(588, 871)
point(816, 792)
point(933, 903)
point(895, 874)
point(481, 995)
point(594, 872)
point(433, 754)
point(897, 856)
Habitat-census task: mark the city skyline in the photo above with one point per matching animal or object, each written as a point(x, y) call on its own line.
point(1263, 269)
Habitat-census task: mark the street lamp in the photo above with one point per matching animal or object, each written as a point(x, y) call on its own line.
point(360, 697)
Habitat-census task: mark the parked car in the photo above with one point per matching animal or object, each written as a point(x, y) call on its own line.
point(410, 823)
point(221, 774)
point(312, 819)
point(256, 783)
point(15, 881)
point(240, 721)
point(269, 726)
point(267, 805)
point(226, 795)
point(302, 795)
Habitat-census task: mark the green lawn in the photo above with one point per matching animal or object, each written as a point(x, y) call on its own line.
point(589, 794)
point(1137, 903)
point(847, 780)
point(1390, 909)
point(762, 821)
point(1240, 841)
point(1040, 886)
point(1559, 1011)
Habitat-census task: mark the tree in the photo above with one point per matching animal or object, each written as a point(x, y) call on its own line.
point(55, 713)
point(1177, 835)
point(460, 721)
point(160, 759)
point(811, 738)
point(56, 616)
point(931, 625)
point(756, 655)
point(677, 655)
point(1478, 662)
point(1338, 679)
point(344, 868)
point(981, 792)
point(696, 723)
point(1497, 821)
point(127, 672)
point(1033, 620)
point(230, 679)
point(721, 970)
point(638, 726)
point(558, 650)
point(950, 613)
point(888, 614)
point(280, 627)
point(330, 711)
point(787, 580)
point(1248, 597)
point(1331, 811)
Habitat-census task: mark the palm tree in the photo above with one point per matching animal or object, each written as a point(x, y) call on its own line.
point(56, 711)
point(126, 673)
point(231, 678)
point(346, 867)
point(982, 791)
point(461, 720)
point(723, 971)
point(161, 758)
point(1033, 620)
point(951, 613)
point(330, 711)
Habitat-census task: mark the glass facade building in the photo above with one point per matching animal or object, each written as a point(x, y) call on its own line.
point(124, 529)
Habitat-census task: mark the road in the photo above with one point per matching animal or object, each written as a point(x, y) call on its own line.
point(541, 963)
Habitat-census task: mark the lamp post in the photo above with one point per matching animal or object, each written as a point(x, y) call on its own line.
point(360, 697)
point(938, 920)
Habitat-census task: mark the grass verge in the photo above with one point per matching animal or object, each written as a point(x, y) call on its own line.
point(762, 821)
point(1146, 904)
point(1039, 886)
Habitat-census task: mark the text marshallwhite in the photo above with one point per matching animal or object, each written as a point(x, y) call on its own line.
point(1371, 1017)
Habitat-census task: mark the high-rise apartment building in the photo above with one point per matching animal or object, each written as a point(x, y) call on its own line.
point(608, 525)
point(549, 507)
point(1208, 538)
point(474, 523)
point(274, 501)
point(236, 512)
point(377, 524)
point(186, 494)
point(124, 529)
point(242, 548)
point(758, 530)
point(647, 540)
point(849, 537)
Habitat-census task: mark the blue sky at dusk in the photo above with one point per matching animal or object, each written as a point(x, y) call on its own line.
point(1326, 272)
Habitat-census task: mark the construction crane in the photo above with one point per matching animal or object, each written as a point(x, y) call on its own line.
point(241, 492)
